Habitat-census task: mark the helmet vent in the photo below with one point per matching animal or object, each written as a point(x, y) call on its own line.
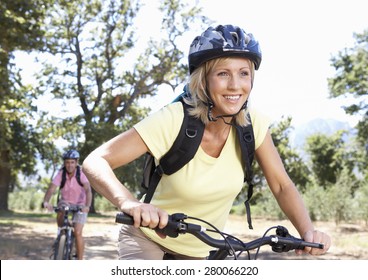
point(235, 37)
point(247, 39)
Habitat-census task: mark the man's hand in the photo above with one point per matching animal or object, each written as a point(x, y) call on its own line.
point(48, 206)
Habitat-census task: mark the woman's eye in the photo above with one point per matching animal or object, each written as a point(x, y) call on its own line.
point(245, 73)
point(222, 74)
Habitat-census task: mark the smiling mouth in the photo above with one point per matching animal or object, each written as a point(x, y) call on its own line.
point(232, 97)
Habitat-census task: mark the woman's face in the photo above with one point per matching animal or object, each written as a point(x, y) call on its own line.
point(229, 84)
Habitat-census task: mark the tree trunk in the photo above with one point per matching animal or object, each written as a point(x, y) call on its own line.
point(5, 178)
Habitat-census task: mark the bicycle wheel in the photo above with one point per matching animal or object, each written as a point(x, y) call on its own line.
point(60, 248)
point(73, 248)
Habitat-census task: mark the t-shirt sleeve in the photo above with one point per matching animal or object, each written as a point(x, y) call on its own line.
point(57, 179)
point(160, 129)
point(261, 124)
point(83, 178)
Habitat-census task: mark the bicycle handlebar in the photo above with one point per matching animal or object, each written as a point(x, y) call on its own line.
point(281, 242)
point(68, 208)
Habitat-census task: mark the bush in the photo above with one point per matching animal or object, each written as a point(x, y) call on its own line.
point(102, 204)
point(267, 206)
point(361, 198)
point(334, 202)
point(31, 199)
point(316, 203)
point(340, 196)
point(27, 200)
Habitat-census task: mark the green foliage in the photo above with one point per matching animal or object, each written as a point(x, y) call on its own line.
point(267, 206)
point(316, 203)
point(103, 205)
point(327, 154)
point(336, 202)
point(351, 72)
point(92, 45)
point(293, 162)
point(340, 198)
point(351, 81)
point(29, 199)
point(20, 30)
point(20, 26)
point(361, 198)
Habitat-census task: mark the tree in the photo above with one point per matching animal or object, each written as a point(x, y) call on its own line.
point(20, 30)
point(92, 44)
point(340, 197)
point(328, 156)
point(351, 80)
point(361, 198)
point(293, 162)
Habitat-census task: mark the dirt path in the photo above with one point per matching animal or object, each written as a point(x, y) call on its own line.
point(29, 237)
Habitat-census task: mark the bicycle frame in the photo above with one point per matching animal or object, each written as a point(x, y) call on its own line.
point(64, 247)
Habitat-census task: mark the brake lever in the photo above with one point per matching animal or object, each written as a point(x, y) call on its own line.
point(294, 243)
point(175, 225)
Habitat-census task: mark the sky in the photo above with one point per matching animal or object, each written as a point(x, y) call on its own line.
point(298, 39)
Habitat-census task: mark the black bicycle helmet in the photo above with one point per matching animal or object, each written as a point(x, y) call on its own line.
point(224, 40)
point(71, 154)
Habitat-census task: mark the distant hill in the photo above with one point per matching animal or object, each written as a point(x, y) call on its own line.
point(325, 126)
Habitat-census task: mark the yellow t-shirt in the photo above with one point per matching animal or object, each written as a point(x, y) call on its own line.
point(205, 187)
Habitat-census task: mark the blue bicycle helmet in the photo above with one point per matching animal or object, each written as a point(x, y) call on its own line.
point(223, 41)
point(71, 154)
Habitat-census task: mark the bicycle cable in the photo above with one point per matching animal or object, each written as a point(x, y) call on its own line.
point(264, 235)
point(223, 235)
point(234, 238)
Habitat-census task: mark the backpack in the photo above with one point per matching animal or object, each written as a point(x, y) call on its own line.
point(184, 148)
point(77, 175)
point(63, 180)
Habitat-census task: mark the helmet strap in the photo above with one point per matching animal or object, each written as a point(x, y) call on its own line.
point(210, 106)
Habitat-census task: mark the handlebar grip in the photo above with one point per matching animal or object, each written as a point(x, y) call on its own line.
point(172, 228)
point(123, 218)
point(312, 245)
point(285, 244)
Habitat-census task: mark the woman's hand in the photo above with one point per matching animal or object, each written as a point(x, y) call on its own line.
point(146, 215)
point(317, 237)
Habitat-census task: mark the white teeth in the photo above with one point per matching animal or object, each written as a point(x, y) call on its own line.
point(232, 97)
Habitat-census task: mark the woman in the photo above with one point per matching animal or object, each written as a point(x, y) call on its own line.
point(221, 63)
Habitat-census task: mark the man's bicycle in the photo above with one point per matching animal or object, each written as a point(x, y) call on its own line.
point(64, 247)
point(227, 246)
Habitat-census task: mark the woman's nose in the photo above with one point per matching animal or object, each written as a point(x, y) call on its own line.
point(234, 82)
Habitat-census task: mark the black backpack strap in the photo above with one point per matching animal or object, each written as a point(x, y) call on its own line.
point(63, 178)
point(182, 151)
point(247, 145)
point(62, 183)
point(78, 175)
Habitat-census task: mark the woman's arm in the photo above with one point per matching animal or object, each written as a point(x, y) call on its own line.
point(88, 191)
point(287, 195)
point(99, 165)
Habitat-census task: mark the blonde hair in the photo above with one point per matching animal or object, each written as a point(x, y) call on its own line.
point(199, 94)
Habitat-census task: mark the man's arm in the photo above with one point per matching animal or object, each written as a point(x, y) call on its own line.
point(49, 193)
